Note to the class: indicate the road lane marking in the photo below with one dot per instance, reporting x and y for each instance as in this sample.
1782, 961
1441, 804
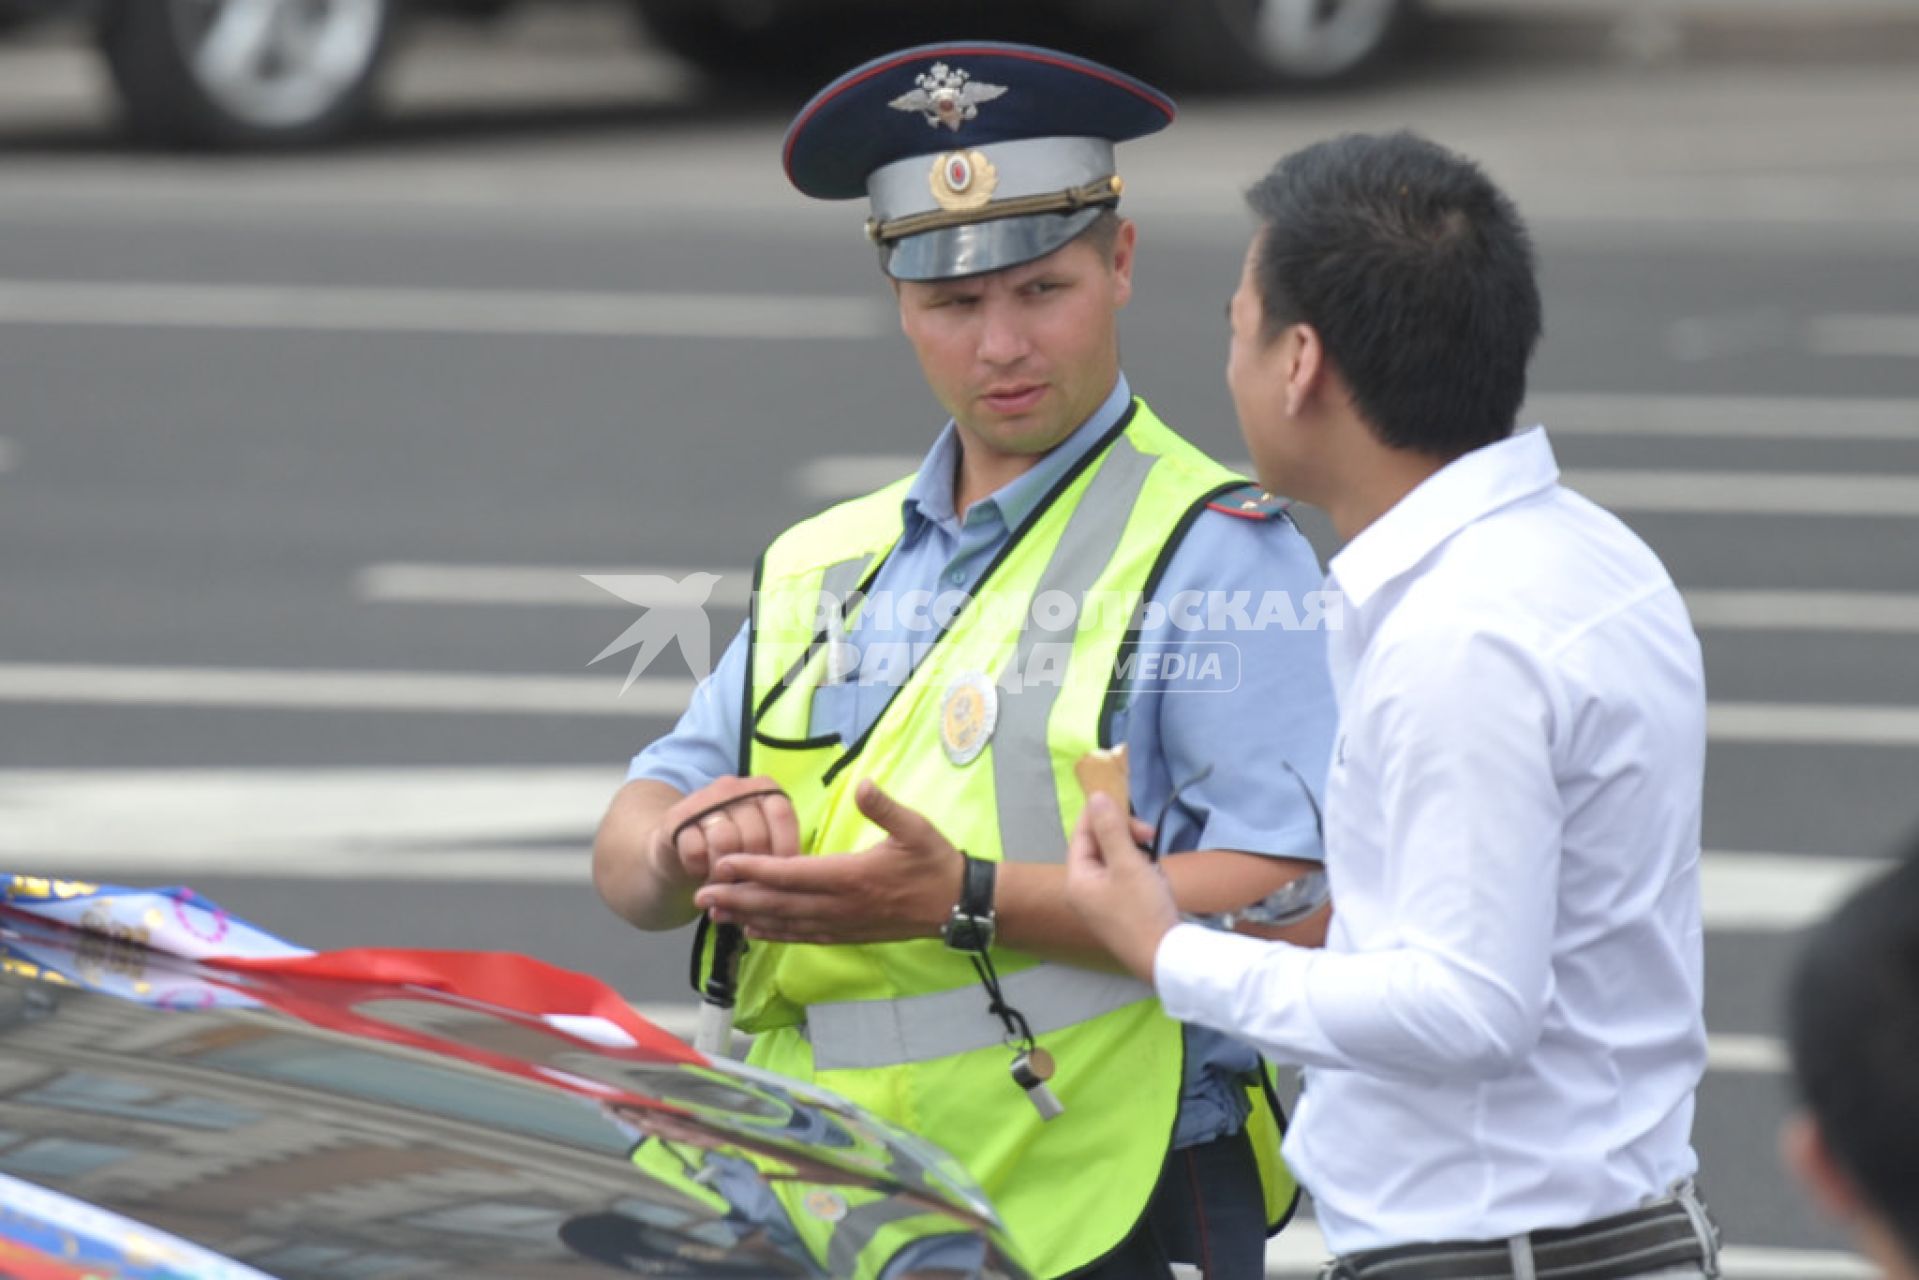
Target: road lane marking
1766, 493
1746, 1262
420, 583
518, 823
1747, 493
1845, 611
430, 824
1895, 336
1777, 892
480, 584
1812, 724
444, 311
255, 688
1747, 1055
836, 476
1808, 418
298, 690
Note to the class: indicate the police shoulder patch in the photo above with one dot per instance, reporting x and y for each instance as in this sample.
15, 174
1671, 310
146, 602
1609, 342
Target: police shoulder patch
1250, 502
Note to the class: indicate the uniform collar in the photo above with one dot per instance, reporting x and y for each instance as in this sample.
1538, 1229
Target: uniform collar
930, 498
1465, 490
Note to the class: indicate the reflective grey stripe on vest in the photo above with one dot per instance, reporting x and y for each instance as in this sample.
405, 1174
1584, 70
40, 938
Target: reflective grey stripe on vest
840, 579
863, 1034
838, 583
1031, 828
856, 1231
830, 612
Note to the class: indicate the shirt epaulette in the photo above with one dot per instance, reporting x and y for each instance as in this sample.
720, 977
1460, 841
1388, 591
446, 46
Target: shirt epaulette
1250, 502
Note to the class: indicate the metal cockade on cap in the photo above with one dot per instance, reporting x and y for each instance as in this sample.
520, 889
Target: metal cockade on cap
947, 96
963, 180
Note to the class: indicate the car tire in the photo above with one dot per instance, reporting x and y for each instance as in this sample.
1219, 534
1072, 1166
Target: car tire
1252, 44
245, 73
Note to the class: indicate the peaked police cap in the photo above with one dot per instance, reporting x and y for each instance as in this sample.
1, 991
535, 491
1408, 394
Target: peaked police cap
975, 155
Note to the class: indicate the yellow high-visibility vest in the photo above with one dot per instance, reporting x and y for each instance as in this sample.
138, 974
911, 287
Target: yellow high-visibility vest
903, 1028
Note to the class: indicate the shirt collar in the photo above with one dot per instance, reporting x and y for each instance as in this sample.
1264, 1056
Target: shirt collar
1464, 491
930, 497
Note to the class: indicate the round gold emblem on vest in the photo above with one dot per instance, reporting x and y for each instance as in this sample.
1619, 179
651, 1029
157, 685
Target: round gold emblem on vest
827, 1206
968, 716
962, 180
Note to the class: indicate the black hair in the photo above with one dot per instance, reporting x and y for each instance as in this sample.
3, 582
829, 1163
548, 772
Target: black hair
1418, 276
1853, 1030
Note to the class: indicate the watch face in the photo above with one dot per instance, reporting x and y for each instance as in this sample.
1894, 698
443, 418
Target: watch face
967, 933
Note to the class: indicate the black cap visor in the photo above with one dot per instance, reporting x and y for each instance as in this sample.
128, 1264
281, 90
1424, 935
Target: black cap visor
975, 248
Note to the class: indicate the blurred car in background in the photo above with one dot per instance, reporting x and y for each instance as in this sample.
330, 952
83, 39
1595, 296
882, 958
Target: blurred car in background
252, 73
184, 1096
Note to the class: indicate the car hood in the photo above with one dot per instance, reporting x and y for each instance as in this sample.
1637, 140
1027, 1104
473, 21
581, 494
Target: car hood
405, 1113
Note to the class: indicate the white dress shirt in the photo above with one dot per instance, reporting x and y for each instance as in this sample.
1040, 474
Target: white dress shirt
1504, 1031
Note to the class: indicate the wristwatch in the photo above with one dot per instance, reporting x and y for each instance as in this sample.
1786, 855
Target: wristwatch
970, 927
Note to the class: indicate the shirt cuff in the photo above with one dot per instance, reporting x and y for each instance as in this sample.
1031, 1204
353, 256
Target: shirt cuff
1248, 988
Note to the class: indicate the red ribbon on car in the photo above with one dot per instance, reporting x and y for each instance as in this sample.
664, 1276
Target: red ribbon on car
327, 988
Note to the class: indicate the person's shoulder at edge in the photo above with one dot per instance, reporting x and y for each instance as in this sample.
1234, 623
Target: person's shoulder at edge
1244, 538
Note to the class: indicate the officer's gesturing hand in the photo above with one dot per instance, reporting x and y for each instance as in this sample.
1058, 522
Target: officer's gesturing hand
656, 846
1121, 896
902, 887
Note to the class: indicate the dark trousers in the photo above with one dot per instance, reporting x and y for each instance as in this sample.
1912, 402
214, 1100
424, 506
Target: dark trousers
1207, 1209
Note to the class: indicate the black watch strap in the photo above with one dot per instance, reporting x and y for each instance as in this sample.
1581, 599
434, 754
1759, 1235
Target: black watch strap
970, 927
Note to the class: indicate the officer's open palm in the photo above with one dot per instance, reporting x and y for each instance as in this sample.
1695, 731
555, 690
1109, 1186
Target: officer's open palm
901, 887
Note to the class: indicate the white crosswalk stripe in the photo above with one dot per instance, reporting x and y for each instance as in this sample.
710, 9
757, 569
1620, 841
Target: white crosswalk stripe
474, 693
1632, 490
368, 691
1854, 611
330, 309
557, 585
416, 583
1725, 417
522, 825
1747, 493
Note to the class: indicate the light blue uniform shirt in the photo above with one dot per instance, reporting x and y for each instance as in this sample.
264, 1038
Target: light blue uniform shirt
1227, 576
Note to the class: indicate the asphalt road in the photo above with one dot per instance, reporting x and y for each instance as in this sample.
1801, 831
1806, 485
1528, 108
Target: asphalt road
301, 461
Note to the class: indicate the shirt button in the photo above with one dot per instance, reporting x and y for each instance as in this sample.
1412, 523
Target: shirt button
956, 577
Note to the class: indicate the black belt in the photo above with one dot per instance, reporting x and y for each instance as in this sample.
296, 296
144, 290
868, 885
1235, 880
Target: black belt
1655, 1238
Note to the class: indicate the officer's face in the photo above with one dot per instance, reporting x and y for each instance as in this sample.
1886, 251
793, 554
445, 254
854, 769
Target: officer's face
1023, 356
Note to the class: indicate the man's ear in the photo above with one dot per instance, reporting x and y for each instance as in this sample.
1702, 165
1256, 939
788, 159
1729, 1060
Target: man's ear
1305, 366
1803, 1150
1125, 244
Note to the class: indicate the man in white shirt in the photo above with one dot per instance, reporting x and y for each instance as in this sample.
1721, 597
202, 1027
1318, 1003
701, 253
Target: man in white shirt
1503, 1035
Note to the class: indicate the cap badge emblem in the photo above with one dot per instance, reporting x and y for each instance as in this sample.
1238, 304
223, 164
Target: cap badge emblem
947, 96
962, 180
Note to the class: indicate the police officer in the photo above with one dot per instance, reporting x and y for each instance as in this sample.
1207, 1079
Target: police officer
925, 665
